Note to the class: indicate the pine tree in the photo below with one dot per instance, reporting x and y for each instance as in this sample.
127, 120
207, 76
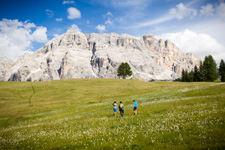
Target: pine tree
200, 72
183, 76
124, 70
206, 68
196, 76
191, 76
186, 76
222, 70
209, 69
222, 66
223, 76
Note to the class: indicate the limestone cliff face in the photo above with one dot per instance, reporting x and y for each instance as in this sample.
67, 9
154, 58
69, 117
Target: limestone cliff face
78, 55
5, 64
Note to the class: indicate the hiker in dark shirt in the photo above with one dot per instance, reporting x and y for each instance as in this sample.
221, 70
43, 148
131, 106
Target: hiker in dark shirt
121, 108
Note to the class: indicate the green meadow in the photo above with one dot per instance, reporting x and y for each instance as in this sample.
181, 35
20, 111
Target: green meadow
78, 114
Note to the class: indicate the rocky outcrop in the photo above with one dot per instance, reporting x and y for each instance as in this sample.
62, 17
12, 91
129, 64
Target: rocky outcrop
5, 64
78, 55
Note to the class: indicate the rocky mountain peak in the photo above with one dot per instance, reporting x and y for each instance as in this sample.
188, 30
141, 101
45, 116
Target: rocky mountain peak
77, 55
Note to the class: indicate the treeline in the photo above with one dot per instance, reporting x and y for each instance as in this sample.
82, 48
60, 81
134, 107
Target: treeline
207, 71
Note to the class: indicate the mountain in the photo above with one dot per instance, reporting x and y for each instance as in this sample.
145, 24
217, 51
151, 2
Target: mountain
78, 55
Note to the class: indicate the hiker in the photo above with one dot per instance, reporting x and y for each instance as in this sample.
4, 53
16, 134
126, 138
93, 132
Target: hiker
121, 108
135, 107
114, 108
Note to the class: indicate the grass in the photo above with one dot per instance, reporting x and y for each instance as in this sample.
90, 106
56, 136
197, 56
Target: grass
78, 114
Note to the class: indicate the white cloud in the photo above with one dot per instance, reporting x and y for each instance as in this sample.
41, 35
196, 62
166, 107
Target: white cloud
207, 10
159, 20
73, 13
88, 22
128, 3
59, 19
29, 25
212, 26
49, 13
109, 14
40, 35
17, 37
55, 35
182, 11
179, 12
68, 2
198, 44
221, 10
108, 22
100, 28
74, 27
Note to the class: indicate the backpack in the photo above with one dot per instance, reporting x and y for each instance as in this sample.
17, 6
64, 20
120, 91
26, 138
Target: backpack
121, 106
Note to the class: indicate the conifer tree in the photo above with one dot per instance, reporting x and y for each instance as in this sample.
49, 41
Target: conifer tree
222, 70
124, 70
183, 76
209, 69
200, 72
186, 76
196, 76
191, 76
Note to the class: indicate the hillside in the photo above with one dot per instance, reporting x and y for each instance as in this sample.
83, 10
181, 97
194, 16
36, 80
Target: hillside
78, 114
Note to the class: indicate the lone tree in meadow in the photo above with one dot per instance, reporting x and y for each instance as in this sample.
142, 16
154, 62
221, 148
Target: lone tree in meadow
222, 70
124, 70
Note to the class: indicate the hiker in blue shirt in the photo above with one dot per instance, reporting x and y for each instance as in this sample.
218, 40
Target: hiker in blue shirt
114, 108
135, 107
121, 108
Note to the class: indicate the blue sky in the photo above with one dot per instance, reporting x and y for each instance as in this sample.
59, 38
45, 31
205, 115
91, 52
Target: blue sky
196, 26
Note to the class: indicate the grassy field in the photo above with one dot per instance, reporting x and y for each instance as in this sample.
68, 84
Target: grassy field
78, 114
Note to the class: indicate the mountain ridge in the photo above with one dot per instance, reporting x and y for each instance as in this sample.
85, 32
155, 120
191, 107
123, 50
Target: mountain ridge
77, 55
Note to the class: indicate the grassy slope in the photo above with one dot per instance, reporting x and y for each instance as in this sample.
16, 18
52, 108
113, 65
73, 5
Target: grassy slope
77, 113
